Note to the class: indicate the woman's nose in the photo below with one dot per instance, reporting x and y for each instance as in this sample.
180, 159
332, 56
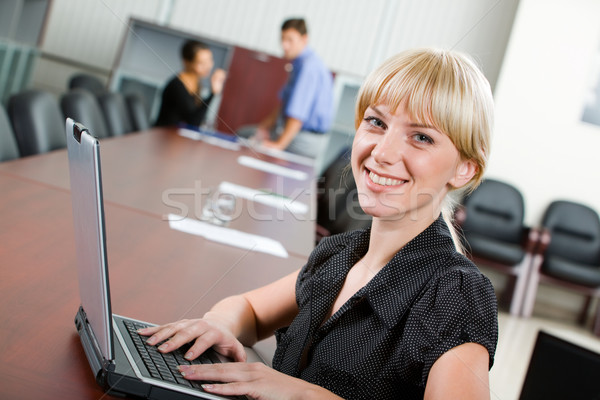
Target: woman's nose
388, 149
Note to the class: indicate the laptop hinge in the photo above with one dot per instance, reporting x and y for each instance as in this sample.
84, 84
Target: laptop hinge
100, 366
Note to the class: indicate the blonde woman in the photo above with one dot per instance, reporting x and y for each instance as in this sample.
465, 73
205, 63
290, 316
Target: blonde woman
390, 312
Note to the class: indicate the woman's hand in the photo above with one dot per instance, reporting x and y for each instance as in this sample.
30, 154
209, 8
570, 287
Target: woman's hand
205, 333
217, 80
255, 380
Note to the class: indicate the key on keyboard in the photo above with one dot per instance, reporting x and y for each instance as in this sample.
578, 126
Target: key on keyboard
164, 366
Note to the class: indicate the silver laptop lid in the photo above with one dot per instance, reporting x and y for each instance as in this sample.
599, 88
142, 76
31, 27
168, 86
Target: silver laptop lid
90, 237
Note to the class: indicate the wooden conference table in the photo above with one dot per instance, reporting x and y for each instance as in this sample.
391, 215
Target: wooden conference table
157, 274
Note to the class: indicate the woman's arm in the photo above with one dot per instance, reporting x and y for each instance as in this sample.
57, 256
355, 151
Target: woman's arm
460, 373
233, 322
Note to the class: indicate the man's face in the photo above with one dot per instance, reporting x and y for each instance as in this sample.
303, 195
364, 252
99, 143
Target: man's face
292, 43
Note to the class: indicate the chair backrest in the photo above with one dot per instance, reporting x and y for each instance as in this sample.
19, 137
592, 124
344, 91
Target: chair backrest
574, 232
137, 112
338, 208
37, 122
81, 106
115, 113
495, 210
87, 82
8, 144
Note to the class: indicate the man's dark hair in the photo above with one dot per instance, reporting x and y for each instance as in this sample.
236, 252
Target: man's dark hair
190, 48
295, 23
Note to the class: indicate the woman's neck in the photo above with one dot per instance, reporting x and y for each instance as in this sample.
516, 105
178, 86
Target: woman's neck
388, 237
190, 81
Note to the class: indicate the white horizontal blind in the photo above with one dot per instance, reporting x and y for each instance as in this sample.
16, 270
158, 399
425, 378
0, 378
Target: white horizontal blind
478, 27
352, 36
341, 31
91, 31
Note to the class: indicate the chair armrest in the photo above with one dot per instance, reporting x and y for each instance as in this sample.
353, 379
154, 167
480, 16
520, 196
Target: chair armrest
543, 241
531, 236
321, 232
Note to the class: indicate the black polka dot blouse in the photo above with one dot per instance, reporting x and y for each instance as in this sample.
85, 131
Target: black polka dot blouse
382, 343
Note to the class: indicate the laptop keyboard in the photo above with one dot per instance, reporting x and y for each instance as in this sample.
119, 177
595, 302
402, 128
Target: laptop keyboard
164, 366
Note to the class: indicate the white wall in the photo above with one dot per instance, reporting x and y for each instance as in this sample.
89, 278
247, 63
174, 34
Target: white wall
540, 145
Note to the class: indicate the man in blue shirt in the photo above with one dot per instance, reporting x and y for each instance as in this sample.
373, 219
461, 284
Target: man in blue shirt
300, 122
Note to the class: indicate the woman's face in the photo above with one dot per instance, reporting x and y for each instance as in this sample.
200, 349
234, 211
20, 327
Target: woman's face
404, 169
202, 64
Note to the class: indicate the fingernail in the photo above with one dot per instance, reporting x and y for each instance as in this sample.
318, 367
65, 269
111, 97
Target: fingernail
141, 330
188, 355
183, 367
163, 346
151, 341
207, 386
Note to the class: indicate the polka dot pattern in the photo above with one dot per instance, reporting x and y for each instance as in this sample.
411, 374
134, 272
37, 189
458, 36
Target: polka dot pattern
383, 341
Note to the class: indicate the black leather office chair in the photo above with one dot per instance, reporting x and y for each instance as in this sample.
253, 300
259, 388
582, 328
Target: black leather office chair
571, 255
37, 122
137, 112
494, 234
115, 113
338, 209
8, 144
81, 106
87, 82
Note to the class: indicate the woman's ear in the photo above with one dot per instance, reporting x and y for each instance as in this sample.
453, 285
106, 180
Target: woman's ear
465, 171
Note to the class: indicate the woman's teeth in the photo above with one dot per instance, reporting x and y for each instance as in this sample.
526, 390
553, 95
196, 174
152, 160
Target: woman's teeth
384, 181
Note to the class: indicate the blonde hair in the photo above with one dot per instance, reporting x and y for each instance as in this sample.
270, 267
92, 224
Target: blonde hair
441, 88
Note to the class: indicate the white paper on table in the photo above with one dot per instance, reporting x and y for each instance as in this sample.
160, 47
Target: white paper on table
190, 134
228, 236
213, 140
268, 198
281, 154
272, 168
286, 155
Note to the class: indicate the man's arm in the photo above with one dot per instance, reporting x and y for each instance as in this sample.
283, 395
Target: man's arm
290, 130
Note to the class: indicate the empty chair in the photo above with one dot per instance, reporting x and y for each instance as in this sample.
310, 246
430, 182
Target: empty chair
491, 219
115, 113
338, 209
81, 106
37, 122
87, 82
571, 255
8, 144
137, 112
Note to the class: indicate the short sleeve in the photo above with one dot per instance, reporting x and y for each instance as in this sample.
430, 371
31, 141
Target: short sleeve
462, 309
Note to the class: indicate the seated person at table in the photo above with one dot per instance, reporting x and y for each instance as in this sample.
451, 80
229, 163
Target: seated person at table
300, 122
394, 311
181, 100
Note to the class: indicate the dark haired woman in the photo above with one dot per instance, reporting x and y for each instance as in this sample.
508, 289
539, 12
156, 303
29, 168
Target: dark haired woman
181, 99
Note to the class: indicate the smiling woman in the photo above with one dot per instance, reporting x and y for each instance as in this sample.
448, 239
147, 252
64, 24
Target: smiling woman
393, 311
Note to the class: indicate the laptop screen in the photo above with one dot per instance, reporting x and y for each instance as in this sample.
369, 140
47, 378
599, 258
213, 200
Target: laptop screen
561, 370
90, 237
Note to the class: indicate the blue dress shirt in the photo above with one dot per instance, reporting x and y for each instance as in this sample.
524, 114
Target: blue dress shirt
308, 94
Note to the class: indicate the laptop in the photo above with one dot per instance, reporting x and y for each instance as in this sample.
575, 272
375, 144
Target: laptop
122, 363
559, 370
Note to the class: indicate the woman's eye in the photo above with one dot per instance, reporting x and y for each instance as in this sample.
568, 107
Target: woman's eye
376, 122
423, 138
